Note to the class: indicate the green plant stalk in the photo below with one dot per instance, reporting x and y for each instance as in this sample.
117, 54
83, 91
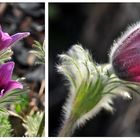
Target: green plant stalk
68, 127
41, 127
79, 107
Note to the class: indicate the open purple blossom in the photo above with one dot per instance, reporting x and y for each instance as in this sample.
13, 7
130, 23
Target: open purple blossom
125, 55
7, 41
6, 83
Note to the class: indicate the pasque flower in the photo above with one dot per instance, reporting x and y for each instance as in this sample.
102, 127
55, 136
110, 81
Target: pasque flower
6, 83
125, 55
91, 88
7, 41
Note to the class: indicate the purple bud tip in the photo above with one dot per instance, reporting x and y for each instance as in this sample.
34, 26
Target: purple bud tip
125, 55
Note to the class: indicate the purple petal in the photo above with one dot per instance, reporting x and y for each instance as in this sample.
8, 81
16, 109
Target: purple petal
13, 85
6, 71
5, 44
5, 40
18, 36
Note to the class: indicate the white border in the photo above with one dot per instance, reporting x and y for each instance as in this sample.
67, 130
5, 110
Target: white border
46, 70
75, 1
23, 1
46, 67
93, 1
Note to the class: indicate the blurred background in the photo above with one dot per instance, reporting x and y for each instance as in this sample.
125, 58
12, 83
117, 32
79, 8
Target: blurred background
95, 26
30, 17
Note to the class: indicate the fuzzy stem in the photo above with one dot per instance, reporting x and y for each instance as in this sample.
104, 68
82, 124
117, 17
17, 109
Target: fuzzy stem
68, 127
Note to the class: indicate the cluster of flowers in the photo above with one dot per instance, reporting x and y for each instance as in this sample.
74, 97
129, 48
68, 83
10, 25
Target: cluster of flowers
6, 69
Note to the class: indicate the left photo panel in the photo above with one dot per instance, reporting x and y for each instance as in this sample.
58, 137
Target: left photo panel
22, 69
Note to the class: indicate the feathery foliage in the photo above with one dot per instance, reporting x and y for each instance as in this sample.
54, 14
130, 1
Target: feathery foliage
39, 52
5, 55
32, 123
5, 127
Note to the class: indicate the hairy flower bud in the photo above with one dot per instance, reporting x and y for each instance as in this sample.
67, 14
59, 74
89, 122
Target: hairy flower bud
125, 55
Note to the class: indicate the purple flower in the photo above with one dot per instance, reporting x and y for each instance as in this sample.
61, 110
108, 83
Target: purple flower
6, 84
7, 41
125, 55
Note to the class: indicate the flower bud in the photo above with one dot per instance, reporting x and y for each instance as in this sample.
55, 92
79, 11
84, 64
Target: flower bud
125, 55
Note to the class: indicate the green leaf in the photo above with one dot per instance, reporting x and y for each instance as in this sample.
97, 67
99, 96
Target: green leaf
39, 52
5, 55
5, 126
14, 96
32, 124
